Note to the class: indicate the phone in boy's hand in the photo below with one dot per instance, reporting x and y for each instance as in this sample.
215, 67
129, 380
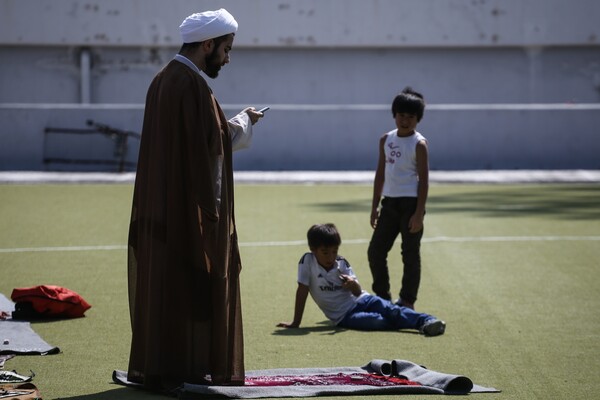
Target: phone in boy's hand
262, 110
343, 277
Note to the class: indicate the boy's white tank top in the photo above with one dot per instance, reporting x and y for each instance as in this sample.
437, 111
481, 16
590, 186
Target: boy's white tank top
401, 179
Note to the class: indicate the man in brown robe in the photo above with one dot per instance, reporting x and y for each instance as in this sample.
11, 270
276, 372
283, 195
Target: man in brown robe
183, 259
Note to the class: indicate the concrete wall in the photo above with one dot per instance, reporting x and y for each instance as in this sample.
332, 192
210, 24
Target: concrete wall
509, 84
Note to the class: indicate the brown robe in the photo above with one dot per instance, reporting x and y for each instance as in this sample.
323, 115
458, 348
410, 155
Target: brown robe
183, 259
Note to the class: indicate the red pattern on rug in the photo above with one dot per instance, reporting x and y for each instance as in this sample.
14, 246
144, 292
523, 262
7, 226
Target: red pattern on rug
328, 380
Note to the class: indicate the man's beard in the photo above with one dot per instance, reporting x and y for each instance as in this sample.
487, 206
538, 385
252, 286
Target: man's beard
212, 65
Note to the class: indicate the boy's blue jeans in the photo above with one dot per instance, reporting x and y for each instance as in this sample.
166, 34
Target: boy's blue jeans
372, 313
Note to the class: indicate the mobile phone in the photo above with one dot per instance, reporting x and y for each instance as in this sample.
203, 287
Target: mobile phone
262, 110
342, 276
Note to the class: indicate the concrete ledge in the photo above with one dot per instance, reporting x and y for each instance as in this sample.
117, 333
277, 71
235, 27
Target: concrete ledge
320, 177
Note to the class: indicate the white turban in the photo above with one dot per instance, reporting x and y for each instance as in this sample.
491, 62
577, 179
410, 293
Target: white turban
206, 25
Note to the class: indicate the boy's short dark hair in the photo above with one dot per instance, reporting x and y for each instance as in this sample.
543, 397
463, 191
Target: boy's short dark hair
409, 101
320, 235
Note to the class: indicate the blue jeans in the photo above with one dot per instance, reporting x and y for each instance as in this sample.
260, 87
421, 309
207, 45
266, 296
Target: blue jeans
372, 313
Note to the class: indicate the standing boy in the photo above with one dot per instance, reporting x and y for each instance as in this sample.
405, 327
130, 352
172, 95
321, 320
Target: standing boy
333, 286
402, 178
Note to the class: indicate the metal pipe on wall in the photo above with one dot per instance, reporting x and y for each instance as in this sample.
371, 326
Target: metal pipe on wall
85, 65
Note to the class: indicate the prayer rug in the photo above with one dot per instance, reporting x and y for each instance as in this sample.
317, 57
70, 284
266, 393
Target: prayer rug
4, 358
377, 377
17, 337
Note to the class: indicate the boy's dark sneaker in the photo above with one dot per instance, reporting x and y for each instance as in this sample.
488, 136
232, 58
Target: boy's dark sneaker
433, 327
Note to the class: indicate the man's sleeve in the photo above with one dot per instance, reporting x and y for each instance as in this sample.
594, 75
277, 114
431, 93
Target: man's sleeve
241, 131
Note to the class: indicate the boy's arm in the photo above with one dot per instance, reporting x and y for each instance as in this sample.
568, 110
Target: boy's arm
301, 295
378, 183
415, 224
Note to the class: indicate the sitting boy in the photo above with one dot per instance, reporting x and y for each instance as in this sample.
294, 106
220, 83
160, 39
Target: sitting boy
333, 286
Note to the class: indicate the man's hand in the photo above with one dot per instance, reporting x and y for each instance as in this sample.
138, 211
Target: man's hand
253, 114
287, 325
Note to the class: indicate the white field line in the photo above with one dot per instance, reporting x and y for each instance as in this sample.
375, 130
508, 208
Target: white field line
463, 239
62, 248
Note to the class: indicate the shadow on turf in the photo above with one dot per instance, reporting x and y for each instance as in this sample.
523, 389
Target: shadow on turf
554, 201
325, 328
344, 206
120, 393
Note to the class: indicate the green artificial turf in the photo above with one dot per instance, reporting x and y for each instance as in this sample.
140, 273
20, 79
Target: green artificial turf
512, 269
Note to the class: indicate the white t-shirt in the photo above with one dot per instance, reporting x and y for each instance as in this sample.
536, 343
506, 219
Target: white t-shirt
401, 179
325, 287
